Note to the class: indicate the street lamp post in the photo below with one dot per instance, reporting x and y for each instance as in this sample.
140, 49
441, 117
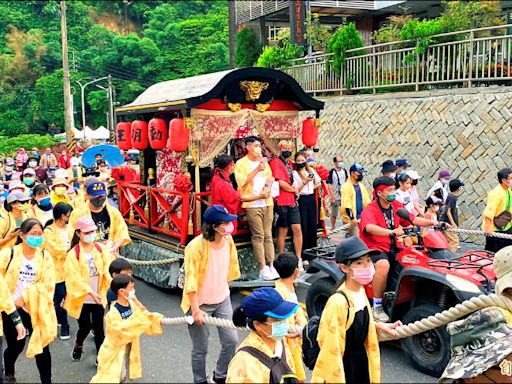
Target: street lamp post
82, 93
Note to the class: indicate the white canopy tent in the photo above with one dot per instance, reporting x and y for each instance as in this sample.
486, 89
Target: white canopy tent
100, 133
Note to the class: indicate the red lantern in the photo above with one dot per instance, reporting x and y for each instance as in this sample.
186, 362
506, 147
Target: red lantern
158, 133
309, 132
179, 135
124, 135
140, 135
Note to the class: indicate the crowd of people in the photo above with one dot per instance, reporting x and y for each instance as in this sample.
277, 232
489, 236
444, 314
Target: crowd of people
61, 235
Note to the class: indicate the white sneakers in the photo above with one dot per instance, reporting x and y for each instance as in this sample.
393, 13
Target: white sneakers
301, 266
268, 273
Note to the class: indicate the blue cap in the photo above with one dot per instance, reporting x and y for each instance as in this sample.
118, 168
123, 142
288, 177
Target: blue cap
267, 301
217, 213
356, 167
97, 189
402, 163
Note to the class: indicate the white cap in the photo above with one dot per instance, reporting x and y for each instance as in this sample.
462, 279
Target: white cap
61, 173
413, 175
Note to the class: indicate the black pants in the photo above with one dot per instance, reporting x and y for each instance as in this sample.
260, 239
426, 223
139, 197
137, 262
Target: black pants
308, 220
91, 317
494, 244
15, 347
60, 294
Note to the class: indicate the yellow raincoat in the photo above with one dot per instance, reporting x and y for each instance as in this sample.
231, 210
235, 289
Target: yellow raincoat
76, 274
119, 333
295, 345
6, 301
245, 368
38, 296
197, 254
118, 227
54, 244
8, 225
331, 339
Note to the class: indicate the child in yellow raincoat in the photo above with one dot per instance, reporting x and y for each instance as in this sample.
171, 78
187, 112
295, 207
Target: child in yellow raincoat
287, 266
127, 320
30, 277
87, 281
56, 242
266, 313
356, 332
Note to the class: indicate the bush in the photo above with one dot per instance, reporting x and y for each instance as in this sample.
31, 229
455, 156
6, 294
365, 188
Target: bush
278, 56
345, 38
248, 49
9, 145
462, 15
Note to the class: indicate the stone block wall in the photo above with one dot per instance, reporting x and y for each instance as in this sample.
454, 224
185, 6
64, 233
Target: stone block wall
468, 131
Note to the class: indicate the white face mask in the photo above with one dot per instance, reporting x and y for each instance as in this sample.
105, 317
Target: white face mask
131, 295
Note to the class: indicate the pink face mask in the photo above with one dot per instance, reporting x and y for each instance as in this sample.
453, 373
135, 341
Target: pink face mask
364, 276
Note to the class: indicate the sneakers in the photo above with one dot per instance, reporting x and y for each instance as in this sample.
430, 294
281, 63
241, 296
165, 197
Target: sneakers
379, 315
301, 266
274, 272
78, 350
64, 332
218, 380
266, 273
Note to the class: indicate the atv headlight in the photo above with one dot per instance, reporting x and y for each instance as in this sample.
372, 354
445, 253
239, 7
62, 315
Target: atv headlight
462, 284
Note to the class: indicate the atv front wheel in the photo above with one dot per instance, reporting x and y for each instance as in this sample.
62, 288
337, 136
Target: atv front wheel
318, 294
429, 351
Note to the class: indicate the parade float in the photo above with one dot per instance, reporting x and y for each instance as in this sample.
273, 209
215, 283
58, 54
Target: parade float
179, 126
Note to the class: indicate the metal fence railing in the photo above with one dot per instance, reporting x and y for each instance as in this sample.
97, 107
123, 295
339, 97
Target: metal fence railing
466, 57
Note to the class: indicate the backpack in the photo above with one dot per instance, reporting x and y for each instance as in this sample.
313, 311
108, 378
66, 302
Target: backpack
77, 250
280, 371
310, 347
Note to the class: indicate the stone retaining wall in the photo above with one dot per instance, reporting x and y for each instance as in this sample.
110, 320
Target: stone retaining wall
468, 131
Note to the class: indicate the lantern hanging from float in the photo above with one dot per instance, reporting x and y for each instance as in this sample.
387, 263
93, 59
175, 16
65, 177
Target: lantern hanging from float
178, 135
309, 132
158, 133
124, 135
140, 135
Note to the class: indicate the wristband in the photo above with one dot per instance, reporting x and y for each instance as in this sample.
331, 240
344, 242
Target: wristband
15, 317
391, 233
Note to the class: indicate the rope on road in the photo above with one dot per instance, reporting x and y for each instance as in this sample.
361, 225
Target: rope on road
407, 330
344, 227
152, 262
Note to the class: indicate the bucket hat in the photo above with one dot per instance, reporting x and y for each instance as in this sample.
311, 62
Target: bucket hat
478, 342
351, 249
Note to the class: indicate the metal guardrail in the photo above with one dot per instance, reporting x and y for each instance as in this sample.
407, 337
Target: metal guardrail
466, 57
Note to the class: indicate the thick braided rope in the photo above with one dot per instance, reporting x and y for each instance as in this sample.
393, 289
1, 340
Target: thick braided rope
423, 325
477, 232
152, 262
344, 227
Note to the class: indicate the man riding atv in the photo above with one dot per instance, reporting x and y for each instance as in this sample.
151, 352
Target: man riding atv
380, 226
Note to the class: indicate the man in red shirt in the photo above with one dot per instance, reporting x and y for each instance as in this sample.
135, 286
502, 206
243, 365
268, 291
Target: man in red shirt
64, 160
379, 227
286, 210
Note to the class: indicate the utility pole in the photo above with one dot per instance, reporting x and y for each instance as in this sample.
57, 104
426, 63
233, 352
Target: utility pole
111, 107
68, 102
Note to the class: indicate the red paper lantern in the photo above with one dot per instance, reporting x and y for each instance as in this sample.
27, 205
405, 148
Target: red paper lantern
158, 133
124, 135
140, 135
179, 135
309, 132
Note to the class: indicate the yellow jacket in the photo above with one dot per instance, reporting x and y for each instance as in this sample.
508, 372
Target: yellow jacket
197, 254
38, 296
67, 198
119, 333
8, 225
6, 301
53, 243
331, 339
348, 199
118, 227
295, 345
37, 213
76, 274
496, 204
242, 171
80, 178
245, 368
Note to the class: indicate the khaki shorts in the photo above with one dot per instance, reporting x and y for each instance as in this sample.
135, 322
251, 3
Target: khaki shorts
335, 208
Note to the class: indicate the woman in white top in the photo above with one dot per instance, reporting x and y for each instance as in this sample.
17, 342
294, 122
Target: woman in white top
307, 181
419, 209
403, 194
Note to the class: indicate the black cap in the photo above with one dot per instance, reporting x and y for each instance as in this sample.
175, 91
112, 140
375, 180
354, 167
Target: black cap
455, 184
384, 180
351, 249
388, 166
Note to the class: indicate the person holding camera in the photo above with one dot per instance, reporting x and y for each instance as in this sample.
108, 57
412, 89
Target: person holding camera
306, 180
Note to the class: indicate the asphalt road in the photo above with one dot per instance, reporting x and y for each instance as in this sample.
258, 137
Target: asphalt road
166, 358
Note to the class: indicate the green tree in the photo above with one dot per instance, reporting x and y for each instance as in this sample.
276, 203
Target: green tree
280, 54
345, 38
247, 48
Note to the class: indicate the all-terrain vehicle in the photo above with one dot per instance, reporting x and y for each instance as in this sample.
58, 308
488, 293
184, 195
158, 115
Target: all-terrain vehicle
427, 278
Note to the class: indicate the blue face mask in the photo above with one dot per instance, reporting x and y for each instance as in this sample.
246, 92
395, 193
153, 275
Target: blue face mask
34, 241
340, 164
279, 330
45, 202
